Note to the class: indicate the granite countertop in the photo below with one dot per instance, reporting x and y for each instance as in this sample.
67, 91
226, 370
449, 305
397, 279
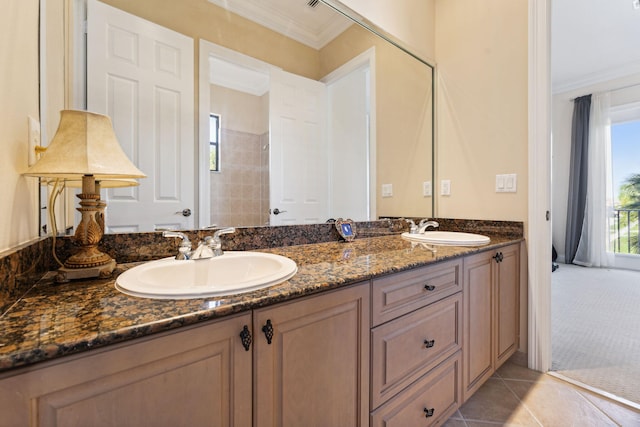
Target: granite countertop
53, 320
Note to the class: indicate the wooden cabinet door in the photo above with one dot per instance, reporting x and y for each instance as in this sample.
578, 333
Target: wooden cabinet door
491, 304
199, 375
315, 370
477, 321
507, 303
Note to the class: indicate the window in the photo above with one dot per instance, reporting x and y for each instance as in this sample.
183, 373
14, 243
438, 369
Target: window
625, 151
214, 142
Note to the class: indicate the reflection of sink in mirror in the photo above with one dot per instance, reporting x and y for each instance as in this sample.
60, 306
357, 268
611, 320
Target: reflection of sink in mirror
231, 273
448, 238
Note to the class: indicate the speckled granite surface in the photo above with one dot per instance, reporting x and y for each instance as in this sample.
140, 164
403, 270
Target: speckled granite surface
22, 266
52, 320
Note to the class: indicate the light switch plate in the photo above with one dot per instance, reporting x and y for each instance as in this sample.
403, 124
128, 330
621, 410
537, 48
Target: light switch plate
445, 187
387, 190
510, 183
426, 189
506, 183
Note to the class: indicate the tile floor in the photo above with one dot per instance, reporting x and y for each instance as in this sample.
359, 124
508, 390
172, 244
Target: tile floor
517, 396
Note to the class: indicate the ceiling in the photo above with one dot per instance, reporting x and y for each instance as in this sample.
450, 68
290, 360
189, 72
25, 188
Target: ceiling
593, 41
313, 26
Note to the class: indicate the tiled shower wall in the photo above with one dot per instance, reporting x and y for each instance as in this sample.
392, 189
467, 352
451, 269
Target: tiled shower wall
240, 191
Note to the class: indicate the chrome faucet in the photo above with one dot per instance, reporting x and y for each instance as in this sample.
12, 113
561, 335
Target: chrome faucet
424, 224
215, 242
184, 250
208, 248
413, 228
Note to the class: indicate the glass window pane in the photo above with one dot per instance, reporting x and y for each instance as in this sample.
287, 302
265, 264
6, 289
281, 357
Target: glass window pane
214, 144
213, 158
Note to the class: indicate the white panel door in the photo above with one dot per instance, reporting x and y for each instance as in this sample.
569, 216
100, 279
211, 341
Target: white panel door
348, 132
299, 184
141, 75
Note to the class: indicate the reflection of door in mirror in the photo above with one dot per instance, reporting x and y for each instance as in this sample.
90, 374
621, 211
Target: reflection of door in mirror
299, 169
141, 75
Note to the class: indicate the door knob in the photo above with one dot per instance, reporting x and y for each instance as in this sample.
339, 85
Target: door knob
277, 211
185, 212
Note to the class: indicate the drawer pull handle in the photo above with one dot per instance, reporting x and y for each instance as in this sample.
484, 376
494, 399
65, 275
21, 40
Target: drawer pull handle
429, 288
245, 336
428, 412
429, 344
268, 331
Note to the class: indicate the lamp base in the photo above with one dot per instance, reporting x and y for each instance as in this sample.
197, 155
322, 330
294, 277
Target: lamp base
66, 274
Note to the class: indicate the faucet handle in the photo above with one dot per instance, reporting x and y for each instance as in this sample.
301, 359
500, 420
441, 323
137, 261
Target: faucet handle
215, 242
425, 223
412, 226
222, 231
171, 233
184, 250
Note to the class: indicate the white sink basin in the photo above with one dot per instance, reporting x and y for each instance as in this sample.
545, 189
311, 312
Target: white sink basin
230, 273
448, 238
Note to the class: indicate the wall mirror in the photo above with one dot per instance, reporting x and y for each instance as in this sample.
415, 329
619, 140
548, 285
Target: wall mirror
296, 111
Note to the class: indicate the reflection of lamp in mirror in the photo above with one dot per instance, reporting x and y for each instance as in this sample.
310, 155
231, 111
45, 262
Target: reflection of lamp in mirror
85, 148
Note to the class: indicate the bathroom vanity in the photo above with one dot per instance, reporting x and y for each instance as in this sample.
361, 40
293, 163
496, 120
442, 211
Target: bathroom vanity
379, 331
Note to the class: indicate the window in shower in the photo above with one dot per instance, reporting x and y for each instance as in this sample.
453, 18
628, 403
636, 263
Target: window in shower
214, 142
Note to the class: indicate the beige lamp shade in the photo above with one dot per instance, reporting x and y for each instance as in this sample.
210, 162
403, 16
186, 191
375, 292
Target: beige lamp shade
84, 144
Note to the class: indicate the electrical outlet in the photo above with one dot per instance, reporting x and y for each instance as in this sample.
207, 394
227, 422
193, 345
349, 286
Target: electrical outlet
387, 190
445, 187
426, 189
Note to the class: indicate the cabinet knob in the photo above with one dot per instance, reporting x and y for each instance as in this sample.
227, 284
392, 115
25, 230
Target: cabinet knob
429, 287
429, 344
245, 336
429, 412
268, 331
498, 257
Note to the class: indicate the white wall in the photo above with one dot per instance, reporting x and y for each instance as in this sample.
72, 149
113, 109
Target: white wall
562, 114
482, 107
18, 99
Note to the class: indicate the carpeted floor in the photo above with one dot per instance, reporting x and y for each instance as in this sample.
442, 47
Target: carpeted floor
596, 328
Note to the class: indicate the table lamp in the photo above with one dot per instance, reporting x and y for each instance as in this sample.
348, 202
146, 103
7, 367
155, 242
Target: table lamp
85, 148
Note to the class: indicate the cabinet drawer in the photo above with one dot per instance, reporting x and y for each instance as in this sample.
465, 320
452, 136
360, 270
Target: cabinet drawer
406, 348
398, 294
430, 401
